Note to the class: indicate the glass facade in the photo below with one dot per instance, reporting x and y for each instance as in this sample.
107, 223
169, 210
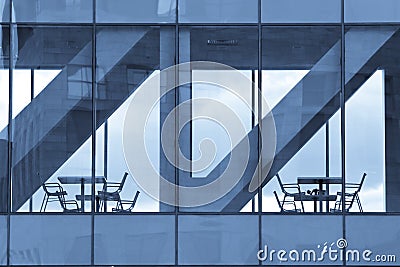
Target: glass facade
76, 75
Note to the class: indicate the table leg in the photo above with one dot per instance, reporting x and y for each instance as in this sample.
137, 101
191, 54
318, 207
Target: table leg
327, 202
105, 201
320, 200
97, 204
83, 195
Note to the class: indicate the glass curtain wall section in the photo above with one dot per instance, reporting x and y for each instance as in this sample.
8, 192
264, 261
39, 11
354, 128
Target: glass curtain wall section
127, 57
52, 115
4, 118
372, 115
218, 11
36, 240
236, 47
301, 83
53, 11
294, 52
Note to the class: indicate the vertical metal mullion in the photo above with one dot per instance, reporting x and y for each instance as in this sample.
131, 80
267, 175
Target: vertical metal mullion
9, 133
327, 159
32, 96
253, 100
94, 98
259, 111
176, 206
343, 117
105, 151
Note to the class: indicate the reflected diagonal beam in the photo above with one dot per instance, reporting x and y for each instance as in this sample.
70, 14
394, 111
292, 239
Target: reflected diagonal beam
304, 110
46, 134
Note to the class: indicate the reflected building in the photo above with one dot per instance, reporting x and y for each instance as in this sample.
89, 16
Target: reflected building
326, 71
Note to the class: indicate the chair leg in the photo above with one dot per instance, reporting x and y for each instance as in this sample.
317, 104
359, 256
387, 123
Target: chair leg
302, 205
101, 202
97, 204
44, 203
41, 206
283, 203
338, 204
359, 203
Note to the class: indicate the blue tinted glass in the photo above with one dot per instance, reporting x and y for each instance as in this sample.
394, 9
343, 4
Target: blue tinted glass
134, 240
4, 99
372, 116
4, 10
242, 11
64, 99
50, 240
53, 11
236, 47
135, 11
301, 11
372, 11
3, 240
123, 48
300, 233
379, 234
227, 239
301, 72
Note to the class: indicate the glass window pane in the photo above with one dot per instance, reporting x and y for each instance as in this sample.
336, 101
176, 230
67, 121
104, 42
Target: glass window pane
52, 122
372, 11
301, 83
378, 234
50, 240
290, 11
4, 10
125, 11
4, 99
372, 114
124, 67
53, 11
218, 240
3, 240
236, 47
134, 240
302, 238
218, 11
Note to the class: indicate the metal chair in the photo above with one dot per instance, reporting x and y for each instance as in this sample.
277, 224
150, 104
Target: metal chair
131, 203
287, 194
106, 195
54, 192
65, 203
281, 205
350, 196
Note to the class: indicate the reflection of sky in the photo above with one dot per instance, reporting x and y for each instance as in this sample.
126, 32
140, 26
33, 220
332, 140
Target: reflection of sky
364, 122
203, 128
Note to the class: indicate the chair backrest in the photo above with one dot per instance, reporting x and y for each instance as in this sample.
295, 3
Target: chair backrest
121, 185
361, 183
46, 187
281, 184
349, 203
134, 200
279, 202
